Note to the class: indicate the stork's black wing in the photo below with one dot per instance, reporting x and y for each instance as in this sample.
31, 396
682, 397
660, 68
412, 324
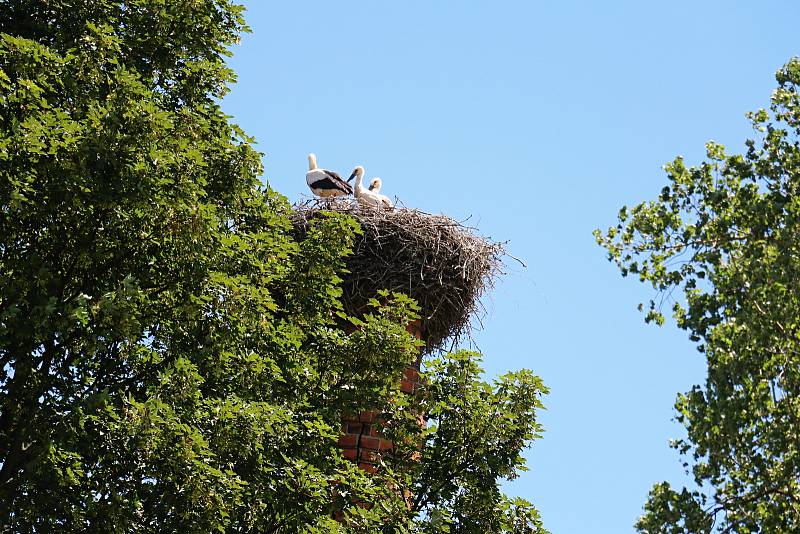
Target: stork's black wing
334, 181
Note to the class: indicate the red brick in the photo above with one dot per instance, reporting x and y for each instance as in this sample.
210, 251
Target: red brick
348, 441
415, 328
411, 374
369, 468
350, 454
354, 428
369, 416
369, 442
406, 386
386, 445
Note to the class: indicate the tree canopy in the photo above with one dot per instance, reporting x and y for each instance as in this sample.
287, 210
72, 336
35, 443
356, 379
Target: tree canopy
725, 237
171, 357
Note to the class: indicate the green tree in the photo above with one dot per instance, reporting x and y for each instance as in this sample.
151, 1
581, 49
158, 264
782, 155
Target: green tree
171, 357
726, 235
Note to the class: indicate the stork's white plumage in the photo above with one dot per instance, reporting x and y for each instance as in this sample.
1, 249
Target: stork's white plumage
375, 186
369, 197
325, 183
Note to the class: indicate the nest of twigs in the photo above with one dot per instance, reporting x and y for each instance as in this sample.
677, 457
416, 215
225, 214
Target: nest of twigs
439, 262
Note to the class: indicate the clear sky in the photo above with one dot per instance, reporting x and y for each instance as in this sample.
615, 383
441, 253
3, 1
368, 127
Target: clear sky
539, 121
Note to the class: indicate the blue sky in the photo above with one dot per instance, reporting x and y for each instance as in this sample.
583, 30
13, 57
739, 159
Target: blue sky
538, 121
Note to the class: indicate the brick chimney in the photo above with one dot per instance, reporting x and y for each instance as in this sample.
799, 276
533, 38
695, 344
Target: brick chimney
361, 442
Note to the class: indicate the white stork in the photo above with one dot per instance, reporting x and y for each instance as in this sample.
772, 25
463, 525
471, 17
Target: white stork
325, 183
375, 186
368, 197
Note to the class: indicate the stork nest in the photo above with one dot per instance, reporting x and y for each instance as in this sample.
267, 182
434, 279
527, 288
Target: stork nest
439, 262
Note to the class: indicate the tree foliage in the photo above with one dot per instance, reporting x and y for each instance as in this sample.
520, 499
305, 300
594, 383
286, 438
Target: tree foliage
726, 234
171, 358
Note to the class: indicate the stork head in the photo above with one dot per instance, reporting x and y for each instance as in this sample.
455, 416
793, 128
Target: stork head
357, 172
312, 162
375, 185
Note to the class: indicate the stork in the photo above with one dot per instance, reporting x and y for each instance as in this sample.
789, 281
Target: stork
325, 183
375, 186
368, 197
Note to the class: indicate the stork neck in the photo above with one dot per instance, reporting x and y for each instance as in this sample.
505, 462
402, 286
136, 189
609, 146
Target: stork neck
312, 162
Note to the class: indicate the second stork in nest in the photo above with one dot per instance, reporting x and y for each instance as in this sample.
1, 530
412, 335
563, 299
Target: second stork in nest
372, 196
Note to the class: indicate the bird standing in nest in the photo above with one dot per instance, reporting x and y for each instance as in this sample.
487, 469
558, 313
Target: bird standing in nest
325, 183
371, 196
